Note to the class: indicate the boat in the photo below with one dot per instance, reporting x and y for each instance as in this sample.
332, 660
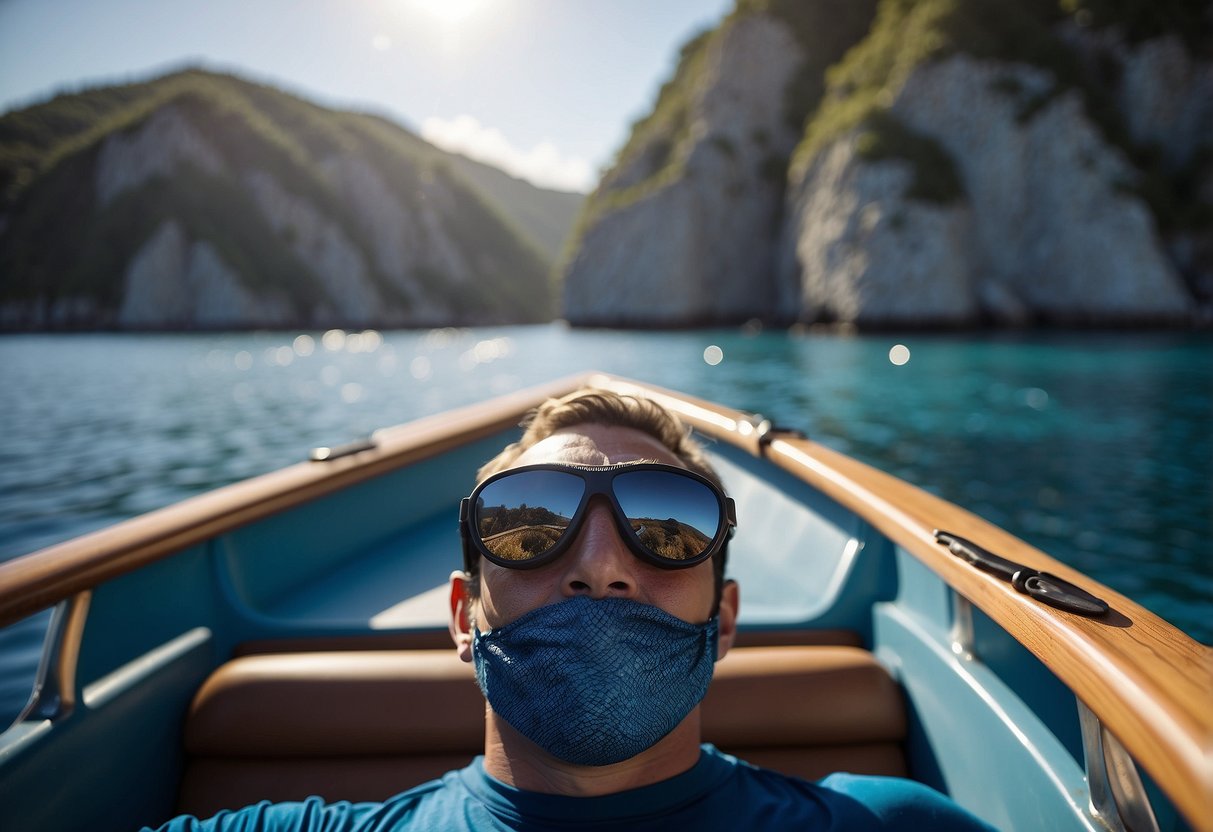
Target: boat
286, 636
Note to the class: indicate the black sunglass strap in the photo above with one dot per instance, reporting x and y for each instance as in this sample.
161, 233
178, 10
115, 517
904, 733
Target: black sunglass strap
469, 555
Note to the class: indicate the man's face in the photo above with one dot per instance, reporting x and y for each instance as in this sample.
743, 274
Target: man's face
598, 564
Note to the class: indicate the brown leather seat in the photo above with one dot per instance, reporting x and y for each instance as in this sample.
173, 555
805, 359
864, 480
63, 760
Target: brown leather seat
346, 725
807, 711
365, 725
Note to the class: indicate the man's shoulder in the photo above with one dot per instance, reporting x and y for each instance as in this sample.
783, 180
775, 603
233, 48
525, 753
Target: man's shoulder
850, 801
419, 808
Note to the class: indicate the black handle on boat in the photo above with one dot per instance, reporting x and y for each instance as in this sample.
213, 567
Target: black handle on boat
772, 432
1043, 586
348, 449
768, 432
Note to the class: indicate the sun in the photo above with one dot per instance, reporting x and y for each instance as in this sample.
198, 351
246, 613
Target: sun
450, 28
449, 13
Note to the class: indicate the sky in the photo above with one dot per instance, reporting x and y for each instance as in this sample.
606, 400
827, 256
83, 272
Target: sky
546, 89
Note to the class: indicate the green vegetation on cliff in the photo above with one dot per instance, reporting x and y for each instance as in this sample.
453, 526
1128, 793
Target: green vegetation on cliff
32, 138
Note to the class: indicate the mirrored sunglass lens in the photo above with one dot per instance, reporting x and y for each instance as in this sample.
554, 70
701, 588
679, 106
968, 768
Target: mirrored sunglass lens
672, 516
521, 516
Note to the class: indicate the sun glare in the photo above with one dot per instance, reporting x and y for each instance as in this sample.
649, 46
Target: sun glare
450, 13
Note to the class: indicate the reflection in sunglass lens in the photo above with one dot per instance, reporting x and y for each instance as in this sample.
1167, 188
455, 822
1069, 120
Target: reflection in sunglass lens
673, 516
521, 516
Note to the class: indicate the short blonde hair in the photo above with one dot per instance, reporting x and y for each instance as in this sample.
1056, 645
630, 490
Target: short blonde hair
591, 405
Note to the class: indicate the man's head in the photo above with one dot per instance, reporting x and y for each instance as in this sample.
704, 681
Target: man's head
594, 410
622, 636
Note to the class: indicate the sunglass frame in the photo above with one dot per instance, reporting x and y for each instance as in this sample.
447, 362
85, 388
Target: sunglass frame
598, 480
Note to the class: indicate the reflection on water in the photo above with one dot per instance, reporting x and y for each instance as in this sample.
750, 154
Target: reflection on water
1096, 448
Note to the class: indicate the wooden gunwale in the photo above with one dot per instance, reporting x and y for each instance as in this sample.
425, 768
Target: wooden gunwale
1149, 684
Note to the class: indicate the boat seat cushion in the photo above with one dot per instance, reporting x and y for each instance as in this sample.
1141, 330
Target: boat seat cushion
364, 725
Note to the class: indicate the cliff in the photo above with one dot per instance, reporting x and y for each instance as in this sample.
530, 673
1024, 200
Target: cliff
681, 230
204, 201
964, 163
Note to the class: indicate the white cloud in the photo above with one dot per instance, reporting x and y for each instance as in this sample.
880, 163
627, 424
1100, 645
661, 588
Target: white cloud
541, 165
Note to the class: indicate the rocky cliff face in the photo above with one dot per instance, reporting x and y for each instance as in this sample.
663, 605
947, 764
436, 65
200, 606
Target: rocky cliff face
173, 282
692, 242
1166, 95
318, 240
1046, 228
969, 163
217, 204
852, 233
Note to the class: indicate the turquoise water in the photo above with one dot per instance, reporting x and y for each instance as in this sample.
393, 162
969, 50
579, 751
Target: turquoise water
1096, 448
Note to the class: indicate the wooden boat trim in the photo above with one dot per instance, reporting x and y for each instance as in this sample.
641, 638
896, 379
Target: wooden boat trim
1147, 682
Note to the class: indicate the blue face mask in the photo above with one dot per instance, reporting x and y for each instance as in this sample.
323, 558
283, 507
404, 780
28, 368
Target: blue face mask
595, 682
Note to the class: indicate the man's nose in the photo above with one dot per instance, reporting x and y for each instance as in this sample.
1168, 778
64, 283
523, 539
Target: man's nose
599, 562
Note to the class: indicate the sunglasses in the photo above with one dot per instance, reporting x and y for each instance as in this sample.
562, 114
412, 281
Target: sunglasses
525, 517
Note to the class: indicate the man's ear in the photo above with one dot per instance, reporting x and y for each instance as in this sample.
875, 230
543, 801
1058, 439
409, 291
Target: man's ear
460, 621
730, 600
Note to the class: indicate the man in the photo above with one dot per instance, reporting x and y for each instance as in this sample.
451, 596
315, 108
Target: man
593, 605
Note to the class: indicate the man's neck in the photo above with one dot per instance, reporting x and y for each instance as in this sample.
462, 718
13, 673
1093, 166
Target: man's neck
515, 760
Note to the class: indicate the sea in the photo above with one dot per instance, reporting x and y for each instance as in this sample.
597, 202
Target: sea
1095, 447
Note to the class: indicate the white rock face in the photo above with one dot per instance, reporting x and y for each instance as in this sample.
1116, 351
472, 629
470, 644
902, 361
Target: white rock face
699, 248
1052, 218
174, 283
320, 243
376, 211
157, 148
860, 252
393, 231
406, 238
155, 291
1050, 226
220, 299
641, 265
